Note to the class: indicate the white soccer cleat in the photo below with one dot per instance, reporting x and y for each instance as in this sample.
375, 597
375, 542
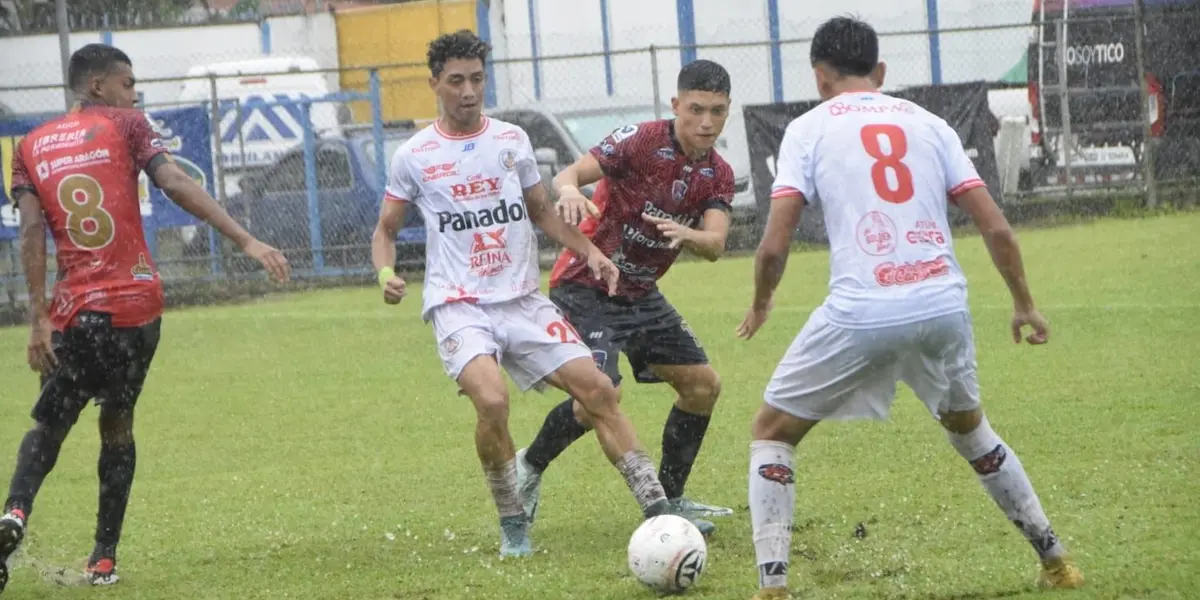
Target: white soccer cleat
529, 486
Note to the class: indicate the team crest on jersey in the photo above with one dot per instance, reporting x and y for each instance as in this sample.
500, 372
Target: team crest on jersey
624, 133
607, 148
679, 190
508, 159
666, 153
451, 344
142, 271
601, 358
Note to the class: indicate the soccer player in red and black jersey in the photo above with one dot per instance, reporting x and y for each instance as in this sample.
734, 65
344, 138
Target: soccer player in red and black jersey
77, 176
662, 189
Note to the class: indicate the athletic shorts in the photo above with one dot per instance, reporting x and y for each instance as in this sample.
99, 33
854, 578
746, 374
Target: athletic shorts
95, 361
528, 336
831, 372
648, 330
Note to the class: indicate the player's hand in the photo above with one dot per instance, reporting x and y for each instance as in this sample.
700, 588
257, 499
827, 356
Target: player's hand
603, 268
41, 350
572, 206
272, 260
678, 234
394, 290
755, 317
1034, 319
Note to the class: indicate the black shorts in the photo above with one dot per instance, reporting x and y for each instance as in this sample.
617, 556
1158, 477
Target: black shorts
648, 330
95, 361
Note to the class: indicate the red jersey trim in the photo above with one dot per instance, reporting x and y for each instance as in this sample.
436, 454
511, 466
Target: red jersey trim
786, 192
965, 186
393, 198
486, 123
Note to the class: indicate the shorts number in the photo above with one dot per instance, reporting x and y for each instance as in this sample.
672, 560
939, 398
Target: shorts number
563, 331
898, 144
89, 226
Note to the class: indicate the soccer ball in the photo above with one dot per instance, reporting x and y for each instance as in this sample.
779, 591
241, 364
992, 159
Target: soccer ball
667, 553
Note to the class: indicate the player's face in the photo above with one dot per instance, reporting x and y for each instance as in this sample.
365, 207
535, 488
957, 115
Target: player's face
460, 88
700, 118
116, 87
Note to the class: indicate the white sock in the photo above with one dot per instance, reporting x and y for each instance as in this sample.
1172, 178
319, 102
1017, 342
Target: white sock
772, 502
642, 479
1003, 477
503, 483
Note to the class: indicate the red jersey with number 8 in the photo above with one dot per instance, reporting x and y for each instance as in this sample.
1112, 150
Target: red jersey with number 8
84, 168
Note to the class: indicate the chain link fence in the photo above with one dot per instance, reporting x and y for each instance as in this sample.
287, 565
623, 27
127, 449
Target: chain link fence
304, 170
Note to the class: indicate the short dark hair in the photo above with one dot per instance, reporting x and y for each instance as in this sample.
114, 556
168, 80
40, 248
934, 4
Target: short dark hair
848, 45
92, 59
704, 76
462, 44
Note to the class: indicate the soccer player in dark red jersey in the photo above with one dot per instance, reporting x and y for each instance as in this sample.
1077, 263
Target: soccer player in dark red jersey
77, 176
662, 188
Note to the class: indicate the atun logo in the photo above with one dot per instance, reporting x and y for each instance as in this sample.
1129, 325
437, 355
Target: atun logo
498, 215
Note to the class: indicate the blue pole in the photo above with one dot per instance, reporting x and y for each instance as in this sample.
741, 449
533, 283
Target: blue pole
685, 12
264, 30
377, 128
776, 51
935, 43
106, 35
533, 50
484, 24
310, 186
608, 73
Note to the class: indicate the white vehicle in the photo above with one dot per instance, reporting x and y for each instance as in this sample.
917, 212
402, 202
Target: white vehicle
668, 554
254, 132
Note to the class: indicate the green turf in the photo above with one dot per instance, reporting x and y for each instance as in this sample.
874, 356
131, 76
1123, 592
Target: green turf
311, 447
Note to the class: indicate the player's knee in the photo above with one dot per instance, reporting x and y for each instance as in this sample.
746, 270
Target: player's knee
598, 398
699, 394
492, 407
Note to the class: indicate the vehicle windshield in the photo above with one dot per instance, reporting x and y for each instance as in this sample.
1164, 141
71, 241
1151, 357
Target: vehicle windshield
589, 128
391, 141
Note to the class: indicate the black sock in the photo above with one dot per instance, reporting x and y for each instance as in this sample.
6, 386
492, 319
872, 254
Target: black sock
560, 430
682, 436
36, 458
116, 466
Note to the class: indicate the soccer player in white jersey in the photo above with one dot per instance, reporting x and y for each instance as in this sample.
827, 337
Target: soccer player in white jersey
476, 183
883, 169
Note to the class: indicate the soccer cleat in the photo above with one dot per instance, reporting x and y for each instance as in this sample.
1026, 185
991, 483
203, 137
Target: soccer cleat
774, 593
665, 507
12, 531
1060, 573
514, 537
529, 486
102, 566
693, 510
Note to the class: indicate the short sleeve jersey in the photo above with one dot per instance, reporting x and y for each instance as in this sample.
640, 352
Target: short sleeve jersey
645, 172
84, 168
883, 170
480, 244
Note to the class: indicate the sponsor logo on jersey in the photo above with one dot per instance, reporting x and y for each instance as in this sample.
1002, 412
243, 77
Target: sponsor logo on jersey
142, 271
485, 217
876, 234
654, 211
707, 172
636, 235
477, 187
429, 146
489, 253
890, 273
838, 109
510, 135
926, 232
624, 133
440, 171
665, 153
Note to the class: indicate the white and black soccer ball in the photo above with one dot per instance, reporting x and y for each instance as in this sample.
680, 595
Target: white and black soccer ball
668, 554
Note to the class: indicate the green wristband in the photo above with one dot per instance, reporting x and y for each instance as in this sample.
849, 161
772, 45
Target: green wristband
385, 275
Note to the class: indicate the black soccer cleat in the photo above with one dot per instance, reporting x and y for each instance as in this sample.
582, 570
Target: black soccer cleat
12, 531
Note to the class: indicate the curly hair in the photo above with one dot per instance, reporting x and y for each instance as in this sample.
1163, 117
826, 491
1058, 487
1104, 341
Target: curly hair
462, 44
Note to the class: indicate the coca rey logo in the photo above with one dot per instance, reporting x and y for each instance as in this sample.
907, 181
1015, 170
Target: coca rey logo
477, 187
838, 109
889, 273
436, 172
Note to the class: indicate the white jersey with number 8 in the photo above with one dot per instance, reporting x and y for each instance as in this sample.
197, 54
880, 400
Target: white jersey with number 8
883, 170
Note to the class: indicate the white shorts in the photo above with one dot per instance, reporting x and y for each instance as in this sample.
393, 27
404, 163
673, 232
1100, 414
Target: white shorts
831, 372
528, 336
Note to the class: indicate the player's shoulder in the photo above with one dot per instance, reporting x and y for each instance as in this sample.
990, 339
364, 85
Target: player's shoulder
424, 142
720, 167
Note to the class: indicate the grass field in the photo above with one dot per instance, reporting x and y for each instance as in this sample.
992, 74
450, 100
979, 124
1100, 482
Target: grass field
310, 447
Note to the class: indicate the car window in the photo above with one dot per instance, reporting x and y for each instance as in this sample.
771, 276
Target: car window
286, 176
333, 168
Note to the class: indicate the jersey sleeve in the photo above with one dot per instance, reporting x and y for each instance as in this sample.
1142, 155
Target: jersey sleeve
722, 198
960, 171
145, 145
794, 167
21, 180
527, 167
616, 152
400, 184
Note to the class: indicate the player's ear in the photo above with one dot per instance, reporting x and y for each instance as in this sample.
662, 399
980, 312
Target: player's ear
675, 105
433, 83
878, 74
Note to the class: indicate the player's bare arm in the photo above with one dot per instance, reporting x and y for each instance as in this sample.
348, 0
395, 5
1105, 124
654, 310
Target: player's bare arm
707, 242
184, 191
383, 249
572, 204
771, 259
33, 258
1002, 244
537, 203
